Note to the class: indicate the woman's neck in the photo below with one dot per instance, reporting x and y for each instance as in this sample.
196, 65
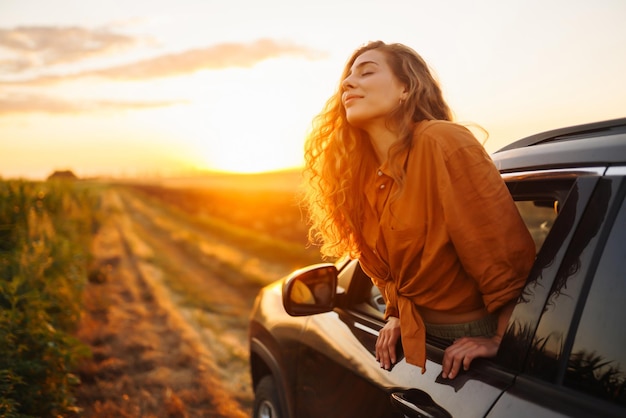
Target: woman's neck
382, 140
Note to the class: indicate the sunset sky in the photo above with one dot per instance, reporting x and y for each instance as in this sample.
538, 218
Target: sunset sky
155, 87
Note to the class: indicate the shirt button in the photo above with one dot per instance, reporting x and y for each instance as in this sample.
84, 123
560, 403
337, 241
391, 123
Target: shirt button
380, 173
382, 186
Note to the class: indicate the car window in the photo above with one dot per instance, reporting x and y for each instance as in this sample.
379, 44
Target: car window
539, 203
540, 317
597, 363
539, 217
550, 342
365, 297
376, 299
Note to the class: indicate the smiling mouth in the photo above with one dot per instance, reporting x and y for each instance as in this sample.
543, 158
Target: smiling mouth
350, 98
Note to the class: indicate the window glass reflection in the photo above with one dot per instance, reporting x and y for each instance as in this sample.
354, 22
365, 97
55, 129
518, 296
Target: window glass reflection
549, 341
597, 364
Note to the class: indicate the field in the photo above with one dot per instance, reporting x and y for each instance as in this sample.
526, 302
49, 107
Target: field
171, 278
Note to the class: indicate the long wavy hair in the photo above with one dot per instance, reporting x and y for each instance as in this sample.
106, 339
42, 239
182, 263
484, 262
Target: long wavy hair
338, 156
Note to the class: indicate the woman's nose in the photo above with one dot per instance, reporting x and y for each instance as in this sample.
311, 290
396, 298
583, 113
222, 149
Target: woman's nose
347, 83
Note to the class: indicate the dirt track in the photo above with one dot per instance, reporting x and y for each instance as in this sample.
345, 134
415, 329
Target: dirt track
166, 317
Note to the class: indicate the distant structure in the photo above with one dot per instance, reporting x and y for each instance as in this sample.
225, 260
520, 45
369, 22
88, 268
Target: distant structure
63, 175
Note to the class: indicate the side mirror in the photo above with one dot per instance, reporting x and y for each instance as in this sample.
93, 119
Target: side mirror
311, 290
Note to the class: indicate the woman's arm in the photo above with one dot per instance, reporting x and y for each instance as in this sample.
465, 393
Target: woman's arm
466, 349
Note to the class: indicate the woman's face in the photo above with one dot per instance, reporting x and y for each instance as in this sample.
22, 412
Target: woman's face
371, 91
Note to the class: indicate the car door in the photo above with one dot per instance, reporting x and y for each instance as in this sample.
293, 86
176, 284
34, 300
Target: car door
338, 375
335, 377
575, 364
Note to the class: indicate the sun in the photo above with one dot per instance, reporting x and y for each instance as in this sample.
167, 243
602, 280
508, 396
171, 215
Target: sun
252, 122
248, 154
246, 120
224, 141
226, 136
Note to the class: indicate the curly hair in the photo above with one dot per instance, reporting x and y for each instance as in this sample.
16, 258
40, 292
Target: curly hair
338, 156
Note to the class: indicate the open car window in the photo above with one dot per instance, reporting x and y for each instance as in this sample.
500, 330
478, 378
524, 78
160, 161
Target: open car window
539, 217
363, 296
539, 203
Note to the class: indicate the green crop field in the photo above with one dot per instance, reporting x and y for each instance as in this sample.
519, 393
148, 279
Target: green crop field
45, 230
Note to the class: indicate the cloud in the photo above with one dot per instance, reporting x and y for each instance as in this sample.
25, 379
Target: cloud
36, 49
215, 57
219, 56
42, 46
29, 103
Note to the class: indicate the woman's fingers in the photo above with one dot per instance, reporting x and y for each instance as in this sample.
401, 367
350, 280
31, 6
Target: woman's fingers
385, 350
386, 343
463, 351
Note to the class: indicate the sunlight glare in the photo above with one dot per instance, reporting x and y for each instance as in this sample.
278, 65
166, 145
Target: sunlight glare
252, 120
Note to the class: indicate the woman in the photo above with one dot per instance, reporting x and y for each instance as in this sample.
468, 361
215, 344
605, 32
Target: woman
392, 181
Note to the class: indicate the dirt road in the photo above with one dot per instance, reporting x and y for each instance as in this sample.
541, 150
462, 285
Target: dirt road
166, 316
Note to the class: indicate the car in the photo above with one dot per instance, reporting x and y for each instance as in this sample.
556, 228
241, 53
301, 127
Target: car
312, 334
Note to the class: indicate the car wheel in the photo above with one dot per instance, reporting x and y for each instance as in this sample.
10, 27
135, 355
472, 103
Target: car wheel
266, 399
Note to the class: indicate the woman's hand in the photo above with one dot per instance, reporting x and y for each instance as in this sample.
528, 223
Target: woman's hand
386, 343
464, 350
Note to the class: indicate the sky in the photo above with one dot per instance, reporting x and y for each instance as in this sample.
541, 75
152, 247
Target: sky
167, 88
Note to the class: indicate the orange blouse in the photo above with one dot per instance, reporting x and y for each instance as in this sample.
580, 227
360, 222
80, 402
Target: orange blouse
451, 241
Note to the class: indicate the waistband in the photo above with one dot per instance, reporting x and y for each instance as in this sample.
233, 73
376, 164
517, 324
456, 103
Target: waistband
484, 327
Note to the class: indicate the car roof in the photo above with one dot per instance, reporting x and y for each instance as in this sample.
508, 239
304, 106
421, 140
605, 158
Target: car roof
589, 145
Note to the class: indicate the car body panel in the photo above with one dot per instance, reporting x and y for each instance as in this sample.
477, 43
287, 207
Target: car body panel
602, 151
533, 398
333, 342
328, 345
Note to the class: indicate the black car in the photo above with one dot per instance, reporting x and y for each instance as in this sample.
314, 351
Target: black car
312, 334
